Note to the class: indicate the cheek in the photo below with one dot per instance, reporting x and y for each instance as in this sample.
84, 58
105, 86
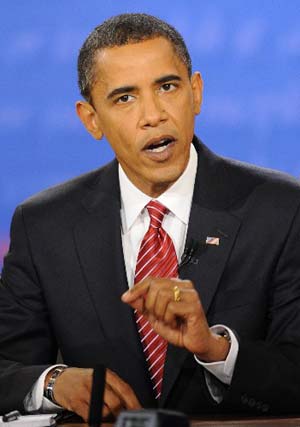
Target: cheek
118, 135
125, 128
189, 117
182, 109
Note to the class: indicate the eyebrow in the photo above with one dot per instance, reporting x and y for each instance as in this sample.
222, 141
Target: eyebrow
129, 89
168, 78
120, 90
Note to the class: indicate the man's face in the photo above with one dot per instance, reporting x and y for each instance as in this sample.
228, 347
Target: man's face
145, 104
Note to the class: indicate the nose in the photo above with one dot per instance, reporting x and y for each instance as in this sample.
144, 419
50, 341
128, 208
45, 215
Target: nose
152, 111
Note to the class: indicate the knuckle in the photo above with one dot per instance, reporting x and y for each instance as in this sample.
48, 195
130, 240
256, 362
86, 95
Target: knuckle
172, 307
188, 284
154, 288
164, 293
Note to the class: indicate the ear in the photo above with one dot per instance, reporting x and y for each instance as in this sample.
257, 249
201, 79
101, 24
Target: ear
197, 88
89, 118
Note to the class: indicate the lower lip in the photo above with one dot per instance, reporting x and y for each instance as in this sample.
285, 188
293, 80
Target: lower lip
163, 155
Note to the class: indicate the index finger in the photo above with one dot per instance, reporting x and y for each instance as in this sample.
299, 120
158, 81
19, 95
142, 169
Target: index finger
122, 390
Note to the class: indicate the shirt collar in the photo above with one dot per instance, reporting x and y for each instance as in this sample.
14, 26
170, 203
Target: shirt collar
177, 198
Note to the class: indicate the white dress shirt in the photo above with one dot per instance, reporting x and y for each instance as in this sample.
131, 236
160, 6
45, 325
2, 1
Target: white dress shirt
135, 223
135, 219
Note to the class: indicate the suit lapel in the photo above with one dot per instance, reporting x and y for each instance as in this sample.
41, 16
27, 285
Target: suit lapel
99, 246
209, 261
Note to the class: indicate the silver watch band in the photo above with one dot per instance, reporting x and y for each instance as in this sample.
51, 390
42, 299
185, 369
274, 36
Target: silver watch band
48, 393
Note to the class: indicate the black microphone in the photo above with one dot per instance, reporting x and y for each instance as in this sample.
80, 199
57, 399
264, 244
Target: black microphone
96, 403
188, 254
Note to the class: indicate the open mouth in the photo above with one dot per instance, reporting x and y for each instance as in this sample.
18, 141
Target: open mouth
160, 145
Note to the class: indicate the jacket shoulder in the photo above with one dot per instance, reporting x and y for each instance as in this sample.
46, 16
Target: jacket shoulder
71, 190
224, 182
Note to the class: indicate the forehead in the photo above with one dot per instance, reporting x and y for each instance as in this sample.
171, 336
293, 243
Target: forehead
148, 59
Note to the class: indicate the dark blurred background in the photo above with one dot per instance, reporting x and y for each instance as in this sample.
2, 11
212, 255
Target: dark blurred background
247, 51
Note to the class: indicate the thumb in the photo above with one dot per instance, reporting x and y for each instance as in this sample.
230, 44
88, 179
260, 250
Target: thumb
137, 304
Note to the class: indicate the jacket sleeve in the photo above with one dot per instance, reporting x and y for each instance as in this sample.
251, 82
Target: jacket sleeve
27, 344
267, 373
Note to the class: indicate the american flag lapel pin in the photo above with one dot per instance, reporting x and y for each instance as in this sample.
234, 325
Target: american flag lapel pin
212, 241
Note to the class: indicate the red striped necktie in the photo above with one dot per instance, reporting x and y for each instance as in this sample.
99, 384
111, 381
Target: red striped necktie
156, 258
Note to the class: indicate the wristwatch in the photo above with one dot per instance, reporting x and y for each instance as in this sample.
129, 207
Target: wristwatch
225, 334
48, 391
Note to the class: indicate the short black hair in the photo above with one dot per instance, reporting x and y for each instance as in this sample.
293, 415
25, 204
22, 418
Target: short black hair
121, 30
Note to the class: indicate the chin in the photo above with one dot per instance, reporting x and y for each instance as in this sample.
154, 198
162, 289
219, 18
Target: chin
166, 179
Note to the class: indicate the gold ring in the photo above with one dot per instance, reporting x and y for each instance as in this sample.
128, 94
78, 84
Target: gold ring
176, 292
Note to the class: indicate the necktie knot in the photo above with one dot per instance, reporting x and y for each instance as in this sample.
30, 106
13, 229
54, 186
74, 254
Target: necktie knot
156, 212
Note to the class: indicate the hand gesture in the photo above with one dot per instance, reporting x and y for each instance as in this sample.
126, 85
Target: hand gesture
175, 312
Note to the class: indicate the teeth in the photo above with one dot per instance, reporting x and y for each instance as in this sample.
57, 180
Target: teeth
161, 146
159, 149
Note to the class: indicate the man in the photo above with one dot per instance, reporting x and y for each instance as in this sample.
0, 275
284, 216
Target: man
228, 330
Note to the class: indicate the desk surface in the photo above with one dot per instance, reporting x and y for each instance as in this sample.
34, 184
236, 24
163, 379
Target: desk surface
220, 422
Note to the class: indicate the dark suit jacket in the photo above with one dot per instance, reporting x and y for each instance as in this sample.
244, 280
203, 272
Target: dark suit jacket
64, 274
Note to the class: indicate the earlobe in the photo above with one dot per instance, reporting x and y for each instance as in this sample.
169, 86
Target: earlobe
197, 87
88, 116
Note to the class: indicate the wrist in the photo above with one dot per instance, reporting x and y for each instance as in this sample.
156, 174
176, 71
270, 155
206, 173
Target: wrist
218, 348
50, 381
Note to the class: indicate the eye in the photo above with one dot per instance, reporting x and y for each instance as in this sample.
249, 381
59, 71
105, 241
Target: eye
124, 99
167, 87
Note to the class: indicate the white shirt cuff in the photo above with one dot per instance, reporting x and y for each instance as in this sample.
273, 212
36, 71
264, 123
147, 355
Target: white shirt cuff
223, 370
35, 400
